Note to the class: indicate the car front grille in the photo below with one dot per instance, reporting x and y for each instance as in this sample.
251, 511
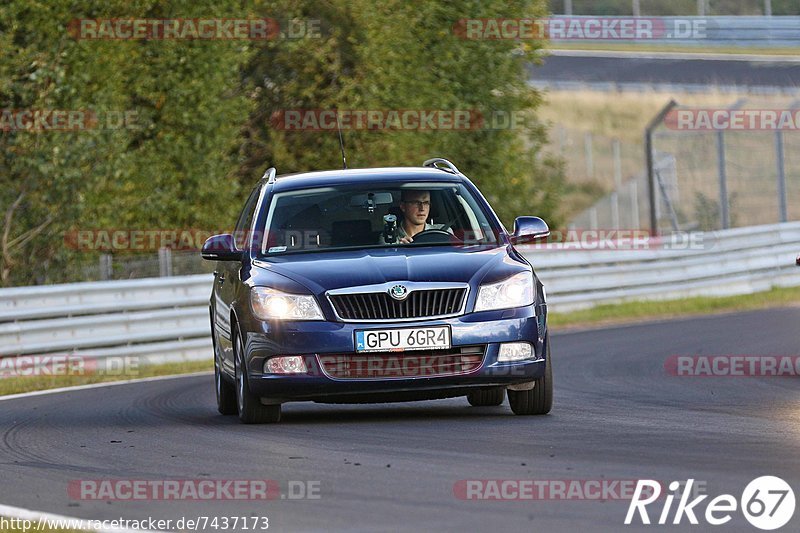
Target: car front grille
380, 306
388, 365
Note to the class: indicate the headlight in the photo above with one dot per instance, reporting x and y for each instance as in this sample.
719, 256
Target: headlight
516, 291
271, 304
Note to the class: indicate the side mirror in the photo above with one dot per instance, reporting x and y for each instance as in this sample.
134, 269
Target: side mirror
221, 248
529, 229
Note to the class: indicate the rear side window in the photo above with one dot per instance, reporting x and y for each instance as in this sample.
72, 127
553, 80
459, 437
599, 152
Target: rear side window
242, 231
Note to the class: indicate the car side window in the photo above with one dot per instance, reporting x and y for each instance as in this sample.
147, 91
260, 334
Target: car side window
243, 225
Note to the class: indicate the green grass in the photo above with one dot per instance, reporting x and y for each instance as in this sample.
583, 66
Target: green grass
638, 311
18, 385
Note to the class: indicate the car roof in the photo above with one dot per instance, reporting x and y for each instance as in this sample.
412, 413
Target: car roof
327, 178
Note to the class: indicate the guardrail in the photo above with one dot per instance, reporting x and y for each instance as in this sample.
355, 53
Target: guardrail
166, 319
735, 261
155, 319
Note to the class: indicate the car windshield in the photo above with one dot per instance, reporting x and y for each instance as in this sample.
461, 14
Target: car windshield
374, 216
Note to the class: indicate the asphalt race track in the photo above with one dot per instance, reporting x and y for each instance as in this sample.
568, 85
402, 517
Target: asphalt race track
677, 71
618, 416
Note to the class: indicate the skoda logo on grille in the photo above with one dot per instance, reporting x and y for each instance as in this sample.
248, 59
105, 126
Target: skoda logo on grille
398, 292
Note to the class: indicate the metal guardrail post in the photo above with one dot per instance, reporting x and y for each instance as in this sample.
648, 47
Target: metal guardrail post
106, 267
165, 262
648, 147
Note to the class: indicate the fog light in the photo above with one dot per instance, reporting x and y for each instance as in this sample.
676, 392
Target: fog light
515, 351
292, 364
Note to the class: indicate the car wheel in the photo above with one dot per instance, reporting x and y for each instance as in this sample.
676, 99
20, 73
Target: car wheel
486, 397
226, 392
248, 405
538, 400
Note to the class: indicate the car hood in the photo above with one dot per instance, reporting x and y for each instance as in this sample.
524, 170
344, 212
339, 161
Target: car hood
320, 272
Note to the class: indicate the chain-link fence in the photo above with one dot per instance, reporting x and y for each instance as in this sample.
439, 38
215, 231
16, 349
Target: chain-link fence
600, 166
727, 176
126, 266
738, 166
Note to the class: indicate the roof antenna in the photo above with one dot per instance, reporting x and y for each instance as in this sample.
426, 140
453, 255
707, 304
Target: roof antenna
341, 141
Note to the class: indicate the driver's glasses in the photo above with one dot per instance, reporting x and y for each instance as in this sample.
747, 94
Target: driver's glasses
418, 204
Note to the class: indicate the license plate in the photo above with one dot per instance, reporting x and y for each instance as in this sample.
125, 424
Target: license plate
405, 339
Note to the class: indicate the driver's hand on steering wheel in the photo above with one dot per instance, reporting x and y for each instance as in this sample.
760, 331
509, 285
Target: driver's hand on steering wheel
405, 240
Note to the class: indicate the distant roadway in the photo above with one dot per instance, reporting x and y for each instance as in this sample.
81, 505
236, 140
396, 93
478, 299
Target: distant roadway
751, 71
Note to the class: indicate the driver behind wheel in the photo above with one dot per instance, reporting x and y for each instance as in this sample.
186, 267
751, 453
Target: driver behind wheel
416, 208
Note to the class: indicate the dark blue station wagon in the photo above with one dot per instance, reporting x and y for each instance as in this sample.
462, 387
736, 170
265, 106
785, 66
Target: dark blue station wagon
376, 285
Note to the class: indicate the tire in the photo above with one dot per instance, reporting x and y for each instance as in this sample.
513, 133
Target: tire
226, 392
538, 400
486, 397
248, 405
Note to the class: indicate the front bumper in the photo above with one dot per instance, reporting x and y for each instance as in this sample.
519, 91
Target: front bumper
317, 338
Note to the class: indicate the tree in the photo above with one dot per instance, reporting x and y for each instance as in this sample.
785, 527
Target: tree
398, 55
170, 168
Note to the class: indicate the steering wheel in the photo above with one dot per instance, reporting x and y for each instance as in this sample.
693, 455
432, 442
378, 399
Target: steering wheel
433, 236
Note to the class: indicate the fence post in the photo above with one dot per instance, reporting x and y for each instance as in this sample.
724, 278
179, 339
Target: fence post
164, 262
637, 11
723, 181
587, 144
617, 184
648, 147
767, 8
782, 208
593, 218
568, 7
723, 173
635, 222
